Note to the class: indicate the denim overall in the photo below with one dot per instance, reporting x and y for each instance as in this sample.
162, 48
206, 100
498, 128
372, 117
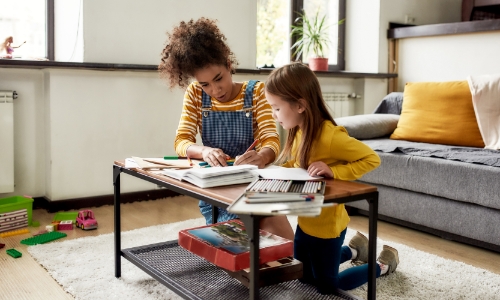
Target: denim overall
231, 131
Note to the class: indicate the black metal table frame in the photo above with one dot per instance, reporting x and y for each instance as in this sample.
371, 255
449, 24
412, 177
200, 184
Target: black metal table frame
251, 224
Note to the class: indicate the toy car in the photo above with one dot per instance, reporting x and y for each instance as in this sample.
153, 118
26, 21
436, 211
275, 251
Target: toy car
86, 220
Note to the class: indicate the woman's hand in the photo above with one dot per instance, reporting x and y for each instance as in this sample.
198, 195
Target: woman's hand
319, 168
214, 157
251, 157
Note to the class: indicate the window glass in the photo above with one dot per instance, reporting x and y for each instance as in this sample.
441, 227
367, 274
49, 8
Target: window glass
330, 8
273, 31
24, 21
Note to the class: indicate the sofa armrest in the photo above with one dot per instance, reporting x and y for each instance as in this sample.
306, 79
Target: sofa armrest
391, 104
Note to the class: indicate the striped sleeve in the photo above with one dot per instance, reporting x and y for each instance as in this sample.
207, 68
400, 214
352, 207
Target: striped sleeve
189, 121
266, 130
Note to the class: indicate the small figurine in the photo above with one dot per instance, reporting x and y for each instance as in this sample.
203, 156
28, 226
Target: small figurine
85, 220
7, 45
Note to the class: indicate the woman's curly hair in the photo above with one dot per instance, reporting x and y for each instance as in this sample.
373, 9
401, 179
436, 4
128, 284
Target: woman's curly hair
192, 46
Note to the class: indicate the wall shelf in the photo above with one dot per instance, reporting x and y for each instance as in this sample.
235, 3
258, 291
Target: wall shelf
444, 29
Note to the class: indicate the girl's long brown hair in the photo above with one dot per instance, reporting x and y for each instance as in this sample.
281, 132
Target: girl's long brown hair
291, 83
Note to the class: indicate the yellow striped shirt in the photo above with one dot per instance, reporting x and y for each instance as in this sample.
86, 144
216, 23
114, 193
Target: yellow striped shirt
190, 123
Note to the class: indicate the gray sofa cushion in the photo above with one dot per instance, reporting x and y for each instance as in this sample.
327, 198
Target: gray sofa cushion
450, 179
369, 126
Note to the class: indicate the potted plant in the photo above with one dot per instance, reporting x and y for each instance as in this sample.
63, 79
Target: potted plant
312, 38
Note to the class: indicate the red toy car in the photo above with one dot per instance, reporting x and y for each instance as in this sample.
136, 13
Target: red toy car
85, 220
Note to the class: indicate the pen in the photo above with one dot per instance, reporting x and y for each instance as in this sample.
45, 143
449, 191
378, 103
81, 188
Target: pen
173, 157
206, 165
252, 145
230, 162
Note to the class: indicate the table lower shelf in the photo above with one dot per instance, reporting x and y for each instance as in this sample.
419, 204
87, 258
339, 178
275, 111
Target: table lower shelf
192, 277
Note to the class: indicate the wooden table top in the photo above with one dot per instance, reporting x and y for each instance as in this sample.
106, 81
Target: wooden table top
228, 194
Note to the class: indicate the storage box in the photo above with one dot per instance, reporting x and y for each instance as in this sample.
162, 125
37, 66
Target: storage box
16, 203
226, 245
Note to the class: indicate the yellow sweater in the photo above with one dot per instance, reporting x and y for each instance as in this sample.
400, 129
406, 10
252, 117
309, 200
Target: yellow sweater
349, 159
190, 123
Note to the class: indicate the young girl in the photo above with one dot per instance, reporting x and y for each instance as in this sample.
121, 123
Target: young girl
317, 144
228, 115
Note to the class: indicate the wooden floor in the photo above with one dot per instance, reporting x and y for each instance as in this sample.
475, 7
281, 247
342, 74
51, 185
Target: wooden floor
23, 278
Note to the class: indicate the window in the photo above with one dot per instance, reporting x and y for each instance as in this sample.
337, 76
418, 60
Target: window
273, 30
24, 21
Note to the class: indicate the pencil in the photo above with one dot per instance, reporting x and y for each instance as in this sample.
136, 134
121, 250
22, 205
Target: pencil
190, 161
252, 145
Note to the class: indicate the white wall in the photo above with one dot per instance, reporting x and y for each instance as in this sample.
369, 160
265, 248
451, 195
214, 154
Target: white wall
448, 58
134, 32
29, 130
367, 22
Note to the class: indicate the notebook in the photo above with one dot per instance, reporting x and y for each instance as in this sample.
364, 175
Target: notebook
215, 176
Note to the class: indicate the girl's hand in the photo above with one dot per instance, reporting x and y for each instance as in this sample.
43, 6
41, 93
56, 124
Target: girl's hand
319, 168
215, 157
252, 157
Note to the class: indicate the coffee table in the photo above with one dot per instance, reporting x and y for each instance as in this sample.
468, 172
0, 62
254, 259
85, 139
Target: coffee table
194, 278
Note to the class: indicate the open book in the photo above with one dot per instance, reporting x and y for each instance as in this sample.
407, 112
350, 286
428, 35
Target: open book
215, 176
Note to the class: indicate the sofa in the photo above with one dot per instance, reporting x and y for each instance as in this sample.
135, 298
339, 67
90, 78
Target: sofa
451, 190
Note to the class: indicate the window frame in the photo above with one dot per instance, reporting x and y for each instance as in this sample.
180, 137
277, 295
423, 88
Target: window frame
49, 36
296, 7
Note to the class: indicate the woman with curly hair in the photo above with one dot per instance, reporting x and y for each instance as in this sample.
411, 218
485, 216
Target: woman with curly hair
229, 115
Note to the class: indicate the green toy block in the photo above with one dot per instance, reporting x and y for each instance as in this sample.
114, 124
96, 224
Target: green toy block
66, 215
43, 238
14, 253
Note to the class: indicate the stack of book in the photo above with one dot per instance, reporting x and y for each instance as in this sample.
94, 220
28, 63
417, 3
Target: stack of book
277, 196
215, 176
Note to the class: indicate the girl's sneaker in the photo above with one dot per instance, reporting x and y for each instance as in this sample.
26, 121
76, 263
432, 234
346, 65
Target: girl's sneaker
360, 243
389, 256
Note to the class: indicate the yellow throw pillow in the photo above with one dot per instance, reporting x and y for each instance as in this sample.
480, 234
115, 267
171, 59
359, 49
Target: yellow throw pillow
438, 113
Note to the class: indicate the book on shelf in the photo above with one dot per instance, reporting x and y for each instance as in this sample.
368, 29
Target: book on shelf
273, 272
227, 245
215, 176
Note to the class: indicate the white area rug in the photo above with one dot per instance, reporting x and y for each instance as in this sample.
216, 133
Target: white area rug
84, 267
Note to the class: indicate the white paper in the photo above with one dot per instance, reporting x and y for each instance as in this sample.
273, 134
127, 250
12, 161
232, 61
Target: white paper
303, 208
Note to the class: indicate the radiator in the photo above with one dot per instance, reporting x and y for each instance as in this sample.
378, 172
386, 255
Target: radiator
341, 104
7, 141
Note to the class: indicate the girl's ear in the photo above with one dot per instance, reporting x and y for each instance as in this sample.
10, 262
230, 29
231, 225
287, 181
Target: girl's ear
301, 105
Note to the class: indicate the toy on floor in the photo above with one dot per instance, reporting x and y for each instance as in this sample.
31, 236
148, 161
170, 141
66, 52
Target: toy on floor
14, 253
14, 232
65, 225
86, 220
66, 215
43, 238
